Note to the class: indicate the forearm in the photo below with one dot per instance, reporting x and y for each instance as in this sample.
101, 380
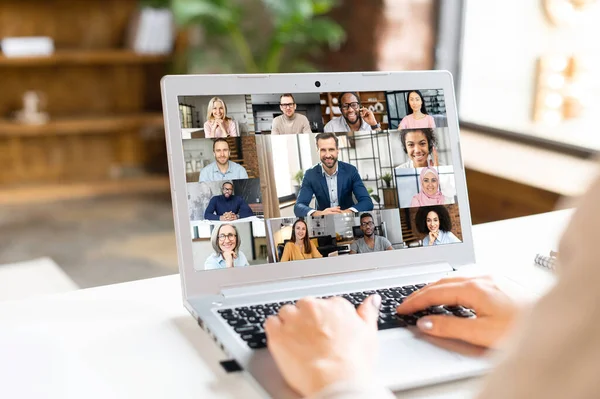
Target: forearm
211, 216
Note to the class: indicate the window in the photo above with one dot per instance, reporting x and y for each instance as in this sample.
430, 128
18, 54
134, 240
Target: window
185, 115
502, 85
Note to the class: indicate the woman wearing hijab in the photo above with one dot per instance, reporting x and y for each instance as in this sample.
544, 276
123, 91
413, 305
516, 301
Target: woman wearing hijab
430, 193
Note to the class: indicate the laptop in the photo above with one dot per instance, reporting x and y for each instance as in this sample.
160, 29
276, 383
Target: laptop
273, 176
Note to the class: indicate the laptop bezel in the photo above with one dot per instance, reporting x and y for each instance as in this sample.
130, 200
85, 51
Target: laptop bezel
211, 282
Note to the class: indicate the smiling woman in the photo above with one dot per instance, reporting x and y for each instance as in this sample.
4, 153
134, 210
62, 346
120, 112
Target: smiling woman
226, 243
218, 124
419, 145
435, 222
431, 193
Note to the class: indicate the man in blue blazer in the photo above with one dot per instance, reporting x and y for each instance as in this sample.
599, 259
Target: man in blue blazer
332, 183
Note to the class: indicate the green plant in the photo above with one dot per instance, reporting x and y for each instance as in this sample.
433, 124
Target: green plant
387, 178
375, 196
299, 176
255, 36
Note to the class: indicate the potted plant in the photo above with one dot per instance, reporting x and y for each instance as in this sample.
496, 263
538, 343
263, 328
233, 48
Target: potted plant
298, 177
387, 179
258, 36
375, 197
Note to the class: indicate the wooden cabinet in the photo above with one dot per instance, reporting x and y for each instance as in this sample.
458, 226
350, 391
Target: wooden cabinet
103, 100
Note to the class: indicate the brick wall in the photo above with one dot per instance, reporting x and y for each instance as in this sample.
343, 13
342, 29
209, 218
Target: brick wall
250, 155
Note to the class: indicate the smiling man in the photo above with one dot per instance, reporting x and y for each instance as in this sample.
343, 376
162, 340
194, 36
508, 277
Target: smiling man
290, 122
222, 168
369, 242
332, 183
227, 207
354, 116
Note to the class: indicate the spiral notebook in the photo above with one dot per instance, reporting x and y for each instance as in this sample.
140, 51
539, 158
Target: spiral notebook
546, 261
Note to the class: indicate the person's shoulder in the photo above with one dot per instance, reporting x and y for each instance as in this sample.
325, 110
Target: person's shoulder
302, 117
315, 169
383, 239
346, 166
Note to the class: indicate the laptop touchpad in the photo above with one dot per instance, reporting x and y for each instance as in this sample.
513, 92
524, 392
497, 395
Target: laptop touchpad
408, 358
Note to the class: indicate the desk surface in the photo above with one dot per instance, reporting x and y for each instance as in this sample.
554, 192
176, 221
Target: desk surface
135, 340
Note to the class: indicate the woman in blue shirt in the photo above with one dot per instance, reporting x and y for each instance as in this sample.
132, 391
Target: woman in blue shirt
435, 222
226, 244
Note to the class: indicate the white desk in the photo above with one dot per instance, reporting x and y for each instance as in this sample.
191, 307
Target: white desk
135, 340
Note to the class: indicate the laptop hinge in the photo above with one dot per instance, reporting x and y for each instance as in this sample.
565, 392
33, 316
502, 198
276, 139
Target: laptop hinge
325, 279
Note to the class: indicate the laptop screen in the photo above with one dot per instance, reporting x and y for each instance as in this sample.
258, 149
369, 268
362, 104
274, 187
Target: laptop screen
275, 178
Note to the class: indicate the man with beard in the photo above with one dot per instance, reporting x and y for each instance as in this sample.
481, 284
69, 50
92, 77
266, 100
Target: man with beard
370, 242
290, 122
354, 116
332, 183
227, 207
222, 168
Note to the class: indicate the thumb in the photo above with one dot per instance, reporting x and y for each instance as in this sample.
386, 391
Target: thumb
465, 329
369, 310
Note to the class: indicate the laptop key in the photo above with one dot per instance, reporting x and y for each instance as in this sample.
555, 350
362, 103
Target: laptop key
229, 316
464, 313
237, 322
247, 337
411, 320
393, 323
247, 329
256, 344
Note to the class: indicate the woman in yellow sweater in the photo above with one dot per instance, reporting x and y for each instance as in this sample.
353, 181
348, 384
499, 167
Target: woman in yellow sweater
299, 247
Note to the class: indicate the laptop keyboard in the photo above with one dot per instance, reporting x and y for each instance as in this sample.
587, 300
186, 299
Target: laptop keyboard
248, 321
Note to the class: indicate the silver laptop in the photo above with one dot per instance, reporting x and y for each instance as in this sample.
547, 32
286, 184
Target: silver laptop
292, 185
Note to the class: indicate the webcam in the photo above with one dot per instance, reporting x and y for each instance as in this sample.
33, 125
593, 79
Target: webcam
318, 84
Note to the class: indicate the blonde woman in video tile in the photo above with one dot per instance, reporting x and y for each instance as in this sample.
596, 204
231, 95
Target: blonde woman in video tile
218, 124
418, 116
436, 223
419, 145
226, 243
299, 247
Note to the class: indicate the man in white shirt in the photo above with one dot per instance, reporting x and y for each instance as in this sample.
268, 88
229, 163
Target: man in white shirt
222, 168
289, 122
354, 116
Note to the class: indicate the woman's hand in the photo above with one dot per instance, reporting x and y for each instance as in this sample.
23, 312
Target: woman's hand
312, 347
434, 155
433, 236
496, 311
230, 257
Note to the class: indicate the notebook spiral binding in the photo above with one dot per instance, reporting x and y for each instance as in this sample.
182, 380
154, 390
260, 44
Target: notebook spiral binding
548, 262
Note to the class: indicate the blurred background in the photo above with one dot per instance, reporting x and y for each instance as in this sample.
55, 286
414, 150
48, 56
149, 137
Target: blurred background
84, 190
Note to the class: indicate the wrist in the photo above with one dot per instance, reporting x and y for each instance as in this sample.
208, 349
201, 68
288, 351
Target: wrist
328, 373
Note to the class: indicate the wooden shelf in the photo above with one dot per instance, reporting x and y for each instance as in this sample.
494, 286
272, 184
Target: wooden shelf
85, 57
83, 125
41, 193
